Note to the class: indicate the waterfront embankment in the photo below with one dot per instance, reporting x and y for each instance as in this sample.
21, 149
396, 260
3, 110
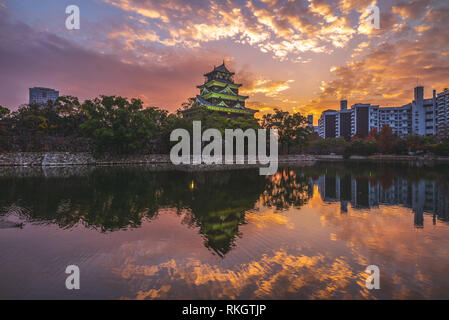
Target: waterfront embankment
43, 159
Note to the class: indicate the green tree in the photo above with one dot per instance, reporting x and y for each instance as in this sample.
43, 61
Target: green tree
293, 129
217, 121
187, 104
4, 112
119, 126
361, 147
420, 144
441, 149
69, 115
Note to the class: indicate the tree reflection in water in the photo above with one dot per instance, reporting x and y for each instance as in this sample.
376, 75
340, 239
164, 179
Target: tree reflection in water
115, 198
288, 187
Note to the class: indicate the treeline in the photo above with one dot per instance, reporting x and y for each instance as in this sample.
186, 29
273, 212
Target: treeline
116, 125
382, 142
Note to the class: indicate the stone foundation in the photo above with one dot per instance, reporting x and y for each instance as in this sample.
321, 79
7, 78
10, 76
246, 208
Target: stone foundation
25, 159
48, 159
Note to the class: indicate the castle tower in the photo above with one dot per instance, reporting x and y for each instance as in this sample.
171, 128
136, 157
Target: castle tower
219, 93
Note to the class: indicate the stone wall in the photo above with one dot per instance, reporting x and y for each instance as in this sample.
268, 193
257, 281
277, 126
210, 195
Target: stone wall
45, 159
68, 158
84, 158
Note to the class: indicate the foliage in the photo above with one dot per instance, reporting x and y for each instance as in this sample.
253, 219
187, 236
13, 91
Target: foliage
327, 146
3, 112
188, 104
373, 134
362, 147
114, 125
119, 126
386, 139
420, 144
293, 129
215, 120
54, 126
441, 149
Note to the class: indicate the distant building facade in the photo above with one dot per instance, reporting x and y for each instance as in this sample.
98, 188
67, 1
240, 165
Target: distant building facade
327, 124
344, 121
364, 118
442, 110
310, 120
42, 95
419, 117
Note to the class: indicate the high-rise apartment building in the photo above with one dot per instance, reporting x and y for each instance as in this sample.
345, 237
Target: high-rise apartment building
420, 117
42, 95
344, 124
442, 113
327, 124
364, 117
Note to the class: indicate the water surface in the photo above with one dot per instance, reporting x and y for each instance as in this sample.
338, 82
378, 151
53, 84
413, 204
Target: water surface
157, 233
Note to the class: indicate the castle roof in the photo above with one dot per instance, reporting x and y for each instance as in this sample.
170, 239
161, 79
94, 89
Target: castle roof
220, 68
217, 106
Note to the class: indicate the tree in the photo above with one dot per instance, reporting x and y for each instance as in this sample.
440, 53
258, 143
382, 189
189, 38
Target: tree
70, 115
386, 139
361, 147
441, 149
416, 143
118, 126
188, 104
373, 135
4, 112
293, 129
4, 124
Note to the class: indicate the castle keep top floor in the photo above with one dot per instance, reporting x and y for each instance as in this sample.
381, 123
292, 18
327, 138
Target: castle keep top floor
219, 93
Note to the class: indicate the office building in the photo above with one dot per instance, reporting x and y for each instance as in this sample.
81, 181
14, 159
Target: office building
42, 95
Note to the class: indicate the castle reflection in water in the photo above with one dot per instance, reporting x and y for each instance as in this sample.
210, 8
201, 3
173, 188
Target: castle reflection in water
422, 196
109, 199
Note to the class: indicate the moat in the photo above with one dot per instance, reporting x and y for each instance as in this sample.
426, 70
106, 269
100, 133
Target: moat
151, 232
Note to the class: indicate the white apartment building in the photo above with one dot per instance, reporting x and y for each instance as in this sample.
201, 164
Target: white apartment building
442, 111
420, 117
398, 118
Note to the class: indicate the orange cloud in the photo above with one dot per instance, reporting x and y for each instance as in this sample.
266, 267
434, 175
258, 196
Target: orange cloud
269, 88
386, 73
281, 29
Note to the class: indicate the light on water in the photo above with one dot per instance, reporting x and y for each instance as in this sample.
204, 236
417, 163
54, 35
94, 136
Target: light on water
158, 233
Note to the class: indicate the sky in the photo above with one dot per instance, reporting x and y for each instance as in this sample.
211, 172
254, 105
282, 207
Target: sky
300, 56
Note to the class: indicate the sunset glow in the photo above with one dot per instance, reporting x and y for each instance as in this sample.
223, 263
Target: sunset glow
297, 55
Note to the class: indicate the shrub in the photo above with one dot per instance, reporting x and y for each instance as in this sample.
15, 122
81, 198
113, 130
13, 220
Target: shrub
362, 148
441, 149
